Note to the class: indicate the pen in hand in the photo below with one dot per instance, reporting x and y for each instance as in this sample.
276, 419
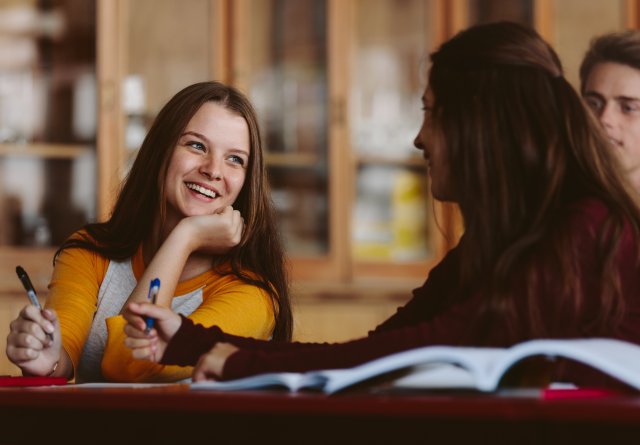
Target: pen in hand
154, 288
31, 292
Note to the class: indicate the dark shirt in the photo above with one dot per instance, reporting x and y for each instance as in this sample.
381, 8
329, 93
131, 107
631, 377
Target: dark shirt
435, 315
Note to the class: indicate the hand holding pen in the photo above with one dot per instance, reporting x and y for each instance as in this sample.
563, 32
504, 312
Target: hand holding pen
144, 345
30, 343
31, 292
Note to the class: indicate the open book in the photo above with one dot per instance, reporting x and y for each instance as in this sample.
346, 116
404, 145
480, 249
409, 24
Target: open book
453, 367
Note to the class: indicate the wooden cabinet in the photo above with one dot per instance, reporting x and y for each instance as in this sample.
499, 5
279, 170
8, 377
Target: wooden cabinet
336, 84
567, 24
337, 87
48, 125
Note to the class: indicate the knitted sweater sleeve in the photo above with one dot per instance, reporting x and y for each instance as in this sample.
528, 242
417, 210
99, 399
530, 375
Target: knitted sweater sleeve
193, 339
458, 321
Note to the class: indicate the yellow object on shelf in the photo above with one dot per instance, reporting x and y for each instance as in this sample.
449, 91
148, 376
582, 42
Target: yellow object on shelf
409, 216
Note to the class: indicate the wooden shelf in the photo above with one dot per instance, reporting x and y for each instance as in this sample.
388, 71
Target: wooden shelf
409, 270
295, 160
388, 289
37, 261
413, 162
45, 150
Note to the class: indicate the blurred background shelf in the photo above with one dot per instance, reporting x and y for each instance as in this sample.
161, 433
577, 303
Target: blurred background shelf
295, 160
45, 150
409, 161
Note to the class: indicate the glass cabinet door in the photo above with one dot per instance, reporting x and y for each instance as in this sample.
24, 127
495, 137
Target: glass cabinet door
576, 22
485, 11
392, 218
283, 69
47, 120
162, 55
568, 25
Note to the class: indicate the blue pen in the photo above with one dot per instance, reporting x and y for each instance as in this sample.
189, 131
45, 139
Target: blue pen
31, 292
154, 288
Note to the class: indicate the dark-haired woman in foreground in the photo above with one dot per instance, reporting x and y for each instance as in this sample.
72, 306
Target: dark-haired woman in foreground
550, 245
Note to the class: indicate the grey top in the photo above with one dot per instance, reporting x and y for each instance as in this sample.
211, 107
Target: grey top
118, 283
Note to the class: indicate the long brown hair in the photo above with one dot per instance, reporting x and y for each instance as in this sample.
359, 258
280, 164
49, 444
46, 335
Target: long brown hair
522, 148
140, 200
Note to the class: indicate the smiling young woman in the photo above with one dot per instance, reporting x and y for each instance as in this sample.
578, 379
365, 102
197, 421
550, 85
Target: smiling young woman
195, 212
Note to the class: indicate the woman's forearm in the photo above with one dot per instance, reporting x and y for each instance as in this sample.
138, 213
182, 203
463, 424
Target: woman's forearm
168, 265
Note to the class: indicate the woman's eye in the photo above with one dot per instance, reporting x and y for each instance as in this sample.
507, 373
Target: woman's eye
236, 160
197, 145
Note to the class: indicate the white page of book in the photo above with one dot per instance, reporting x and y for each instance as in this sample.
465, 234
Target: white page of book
439, 376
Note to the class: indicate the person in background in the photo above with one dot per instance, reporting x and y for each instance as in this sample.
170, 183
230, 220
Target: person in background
173, 220
610, 85
550, 247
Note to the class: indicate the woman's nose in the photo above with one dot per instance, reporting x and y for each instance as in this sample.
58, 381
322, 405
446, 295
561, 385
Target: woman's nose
211, 168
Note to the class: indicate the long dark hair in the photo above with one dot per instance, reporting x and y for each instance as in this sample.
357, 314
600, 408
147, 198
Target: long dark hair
140, 200
522, 147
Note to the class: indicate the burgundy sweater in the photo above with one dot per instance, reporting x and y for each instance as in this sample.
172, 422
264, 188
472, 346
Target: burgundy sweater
436, 316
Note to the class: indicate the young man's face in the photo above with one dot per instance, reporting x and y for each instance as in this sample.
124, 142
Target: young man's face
612, 91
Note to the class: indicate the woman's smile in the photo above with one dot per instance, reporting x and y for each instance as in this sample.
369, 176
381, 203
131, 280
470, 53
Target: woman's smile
202, 190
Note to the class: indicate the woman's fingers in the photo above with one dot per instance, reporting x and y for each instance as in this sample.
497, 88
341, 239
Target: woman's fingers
143, 349
142, 354
33, 342
134, 332
205, 368
134, 321
211, 364
23, 340
139, 343
51, 323
144, 345
23, 347
26, 325
238, 224
20, 355
32, 313
136, 312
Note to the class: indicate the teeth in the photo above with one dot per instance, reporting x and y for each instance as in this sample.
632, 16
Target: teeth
202, 190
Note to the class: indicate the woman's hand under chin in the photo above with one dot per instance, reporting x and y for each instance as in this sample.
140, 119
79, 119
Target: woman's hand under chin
217, 233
